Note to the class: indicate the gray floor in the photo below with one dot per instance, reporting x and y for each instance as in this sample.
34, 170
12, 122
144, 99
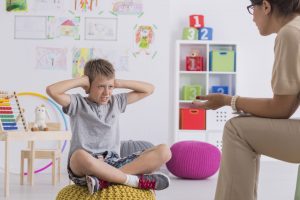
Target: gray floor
277, 182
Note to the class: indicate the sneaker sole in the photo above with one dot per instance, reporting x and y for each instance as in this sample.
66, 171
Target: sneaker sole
90, 182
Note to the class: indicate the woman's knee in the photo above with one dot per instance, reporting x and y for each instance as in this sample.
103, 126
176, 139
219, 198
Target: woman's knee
230, 126
164, 152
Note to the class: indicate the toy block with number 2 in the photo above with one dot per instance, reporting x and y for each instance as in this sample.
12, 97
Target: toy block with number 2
196, 21
190, 33
205, 33
219, 89
191, 91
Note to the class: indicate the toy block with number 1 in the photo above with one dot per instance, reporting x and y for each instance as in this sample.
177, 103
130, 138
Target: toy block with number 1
190, 33
191, 91
219, 89
205, 33
196, 21
194, 63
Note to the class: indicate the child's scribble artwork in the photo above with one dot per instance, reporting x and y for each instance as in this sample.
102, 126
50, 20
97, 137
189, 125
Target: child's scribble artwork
80, 57
144, 40
127, 7
118, 58
16, 5
63, 27
48, 5
51, 58
101, 28
86, 5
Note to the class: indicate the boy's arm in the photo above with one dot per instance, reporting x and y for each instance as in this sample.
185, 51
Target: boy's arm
140, 89
57, 90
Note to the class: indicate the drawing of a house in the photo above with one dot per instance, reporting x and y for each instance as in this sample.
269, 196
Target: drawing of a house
67, 28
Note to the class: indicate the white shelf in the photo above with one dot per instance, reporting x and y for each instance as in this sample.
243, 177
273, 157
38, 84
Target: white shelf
215, 119
193, 72
222, 73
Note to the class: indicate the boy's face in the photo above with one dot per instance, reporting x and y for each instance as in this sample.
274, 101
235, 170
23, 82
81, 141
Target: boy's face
101, 89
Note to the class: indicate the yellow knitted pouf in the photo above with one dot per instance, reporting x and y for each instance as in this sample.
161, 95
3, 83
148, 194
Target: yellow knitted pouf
113, 192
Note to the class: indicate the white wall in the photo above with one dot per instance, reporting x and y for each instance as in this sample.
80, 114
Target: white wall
150, 119
144, 120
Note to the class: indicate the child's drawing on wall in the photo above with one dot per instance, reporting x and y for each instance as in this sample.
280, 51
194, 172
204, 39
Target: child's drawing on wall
80, 57
144, 36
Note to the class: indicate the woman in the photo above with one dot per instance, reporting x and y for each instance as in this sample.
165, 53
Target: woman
268, 131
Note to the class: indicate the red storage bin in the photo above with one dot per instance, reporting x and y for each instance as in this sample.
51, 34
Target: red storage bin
192, 119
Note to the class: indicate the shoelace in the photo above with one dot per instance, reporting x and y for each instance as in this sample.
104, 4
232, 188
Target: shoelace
146, 184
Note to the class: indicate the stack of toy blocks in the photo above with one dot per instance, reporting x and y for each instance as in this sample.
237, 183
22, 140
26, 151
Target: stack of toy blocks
197, 30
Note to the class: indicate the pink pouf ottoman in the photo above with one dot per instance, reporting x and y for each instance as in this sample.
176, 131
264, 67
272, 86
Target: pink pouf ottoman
194, 160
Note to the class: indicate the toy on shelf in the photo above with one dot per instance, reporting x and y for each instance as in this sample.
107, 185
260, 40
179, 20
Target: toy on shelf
41, 116
190, 33
191, 91
194, 62
205, 33
197, 30
220, 89
11, 113
196, 21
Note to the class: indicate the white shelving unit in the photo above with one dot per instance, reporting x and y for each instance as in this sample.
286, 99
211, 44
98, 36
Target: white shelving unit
215, 120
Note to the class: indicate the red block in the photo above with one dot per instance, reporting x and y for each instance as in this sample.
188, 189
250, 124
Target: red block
192, 119
196, 21
194, 63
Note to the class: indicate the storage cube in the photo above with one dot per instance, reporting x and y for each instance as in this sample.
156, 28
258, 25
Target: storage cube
192, 119
219, 89
196, 21
194, 63
190, 33
205, 33
191, 91
222, 61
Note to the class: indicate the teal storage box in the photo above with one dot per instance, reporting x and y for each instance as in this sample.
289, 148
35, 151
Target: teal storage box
222, 61
191, 91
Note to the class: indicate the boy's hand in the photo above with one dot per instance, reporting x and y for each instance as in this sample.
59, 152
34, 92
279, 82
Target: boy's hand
212, 101
86, 84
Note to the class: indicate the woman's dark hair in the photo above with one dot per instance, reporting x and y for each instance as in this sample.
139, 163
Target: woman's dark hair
284, 7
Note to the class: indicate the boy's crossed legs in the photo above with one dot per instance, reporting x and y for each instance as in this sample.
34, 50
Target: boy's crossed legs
121, 171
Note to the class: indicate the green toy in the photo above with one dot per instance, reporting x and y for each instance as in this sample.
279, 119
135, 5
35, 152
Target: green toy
191, 91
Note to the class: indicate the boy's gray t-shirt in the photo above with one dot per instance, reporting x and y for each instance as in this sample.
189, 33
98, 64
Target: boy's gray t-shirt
95, 128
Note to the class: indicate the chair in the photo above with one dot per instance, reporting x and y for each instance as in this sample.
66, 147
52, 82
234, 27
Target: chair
53, 154
297, 193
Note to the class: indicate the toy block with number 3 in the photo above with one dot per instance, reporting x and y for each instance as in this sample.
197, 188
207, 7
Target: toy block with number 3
196, 21
191, 91
190, 34
205, 33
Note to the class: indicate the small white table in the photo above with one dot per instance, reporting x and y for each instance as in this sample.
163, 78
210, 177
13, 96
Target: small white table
11, 136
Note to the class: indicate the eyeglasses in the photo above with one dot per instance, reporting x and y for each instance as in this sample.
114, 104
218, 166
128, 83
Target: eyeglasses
250, 9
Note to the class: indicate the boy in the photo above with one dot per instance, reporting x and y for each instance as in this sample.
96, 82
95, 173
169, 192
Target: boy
93, 158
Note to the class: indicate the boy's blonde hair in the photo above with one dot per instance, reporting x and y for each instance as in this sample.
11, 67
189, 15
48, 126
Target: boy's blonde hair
97, 67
